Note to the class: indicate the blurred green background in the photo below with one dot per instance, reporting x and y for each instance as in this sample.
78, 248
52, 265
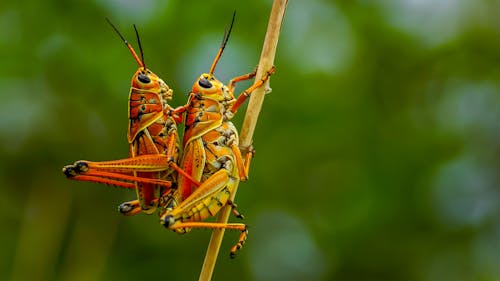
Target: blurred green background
377, 151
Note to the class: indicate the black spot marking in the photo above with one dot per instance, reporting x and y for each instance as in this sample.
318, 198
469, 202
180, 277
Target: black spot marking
143, 78
204, 83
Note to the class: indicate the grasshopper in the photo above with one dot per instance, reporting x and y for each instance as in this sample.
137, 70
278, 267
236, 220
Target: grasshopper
211, 154
153, 144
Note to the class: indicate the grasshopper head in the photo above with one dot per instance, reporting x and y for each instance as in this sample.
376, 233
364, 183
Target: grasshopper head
144, 79
207, 85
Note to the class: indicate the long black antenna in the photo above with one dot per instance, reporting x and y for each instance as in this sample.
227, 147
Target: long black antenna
223, 44
117, 31
140, 46
140, 63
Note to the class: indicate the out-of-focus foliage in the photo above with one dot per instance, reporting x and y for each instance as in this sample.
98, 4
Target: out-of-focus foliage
377, 152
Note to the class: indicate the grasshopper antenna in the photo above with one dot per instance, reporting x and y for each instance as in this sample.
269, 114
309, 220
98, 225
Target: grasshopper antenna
132, 51
140, 47
222, 45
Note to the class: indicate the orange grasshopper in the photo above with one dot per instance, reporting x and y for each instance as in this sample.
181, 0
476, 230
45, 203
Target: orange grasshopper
211, 154
153, 144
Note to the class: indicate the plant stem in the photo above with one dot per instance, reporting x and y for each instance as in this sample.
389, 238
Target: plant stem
248, 128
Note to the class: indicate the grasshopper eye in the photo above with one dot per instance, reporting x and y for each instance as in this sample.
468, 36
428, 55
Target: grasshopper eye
143, 78
204, 83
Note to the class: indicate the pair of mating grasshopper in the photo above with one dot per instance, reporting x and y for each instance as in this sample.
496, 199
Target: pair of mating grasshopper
185, 187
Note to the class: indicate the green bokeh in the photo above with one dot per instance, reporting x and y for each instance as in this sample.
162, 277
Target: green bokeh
377, 151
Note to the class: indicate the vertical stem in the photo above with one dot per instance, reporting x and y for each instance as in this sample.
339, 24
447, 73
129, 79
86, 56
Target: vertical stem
265, 63
248, 128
